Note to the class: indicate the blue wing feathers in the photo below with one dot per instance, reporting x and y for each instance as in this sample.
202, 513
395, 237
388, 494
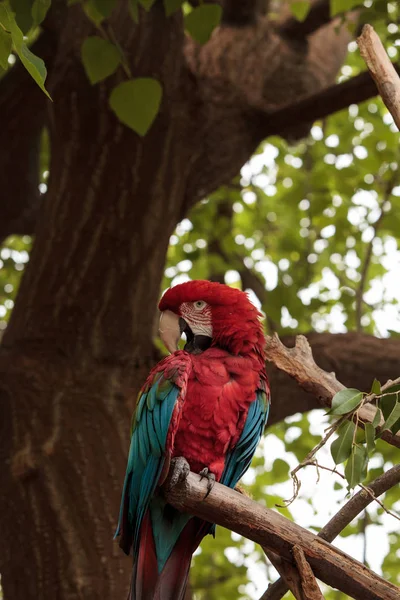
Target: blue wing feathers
146, 454
240, 457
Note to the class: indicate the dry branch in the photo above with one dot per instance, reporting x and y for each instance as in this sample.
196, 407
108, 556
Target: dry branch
235, 511
298, 362
346, 514
290, 576
309, 584
381, 69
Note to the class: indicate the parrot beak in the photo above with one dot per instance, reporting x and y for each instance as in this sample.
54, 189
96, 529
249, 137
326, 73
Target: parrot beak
169, 330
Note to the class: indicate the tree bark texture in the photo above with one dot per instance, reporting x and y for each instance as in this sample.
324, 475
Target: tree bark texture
79, 340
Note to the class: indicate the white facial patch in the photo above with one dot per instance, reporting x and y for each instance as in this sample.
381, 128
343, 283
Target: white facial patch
198, 316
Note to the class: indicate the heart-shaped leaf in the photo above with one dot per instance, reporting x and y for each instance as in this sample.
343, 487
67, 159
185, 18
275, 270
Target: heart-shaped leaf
136, 103
201, 22
100, 58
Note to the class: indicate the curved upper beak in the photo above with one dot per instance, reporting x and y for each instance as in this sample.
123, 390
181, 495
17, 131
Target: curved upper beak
169, 330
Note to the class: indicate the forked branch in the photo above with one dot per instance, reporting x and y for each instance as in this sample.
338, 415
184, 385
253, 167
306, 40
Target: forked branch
344, 517
298, 362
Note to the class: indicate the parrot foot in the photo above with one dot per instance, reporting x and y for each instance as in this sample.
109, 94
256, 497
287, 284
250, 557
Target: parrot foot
179, 471
205, 473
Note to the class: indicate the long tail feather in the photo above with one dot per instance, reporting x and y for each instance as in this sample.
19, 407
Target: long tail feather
170, 584
145, 572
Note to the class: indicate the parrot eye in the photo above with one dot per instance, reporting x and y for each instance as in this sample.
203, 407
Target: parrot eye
199, 304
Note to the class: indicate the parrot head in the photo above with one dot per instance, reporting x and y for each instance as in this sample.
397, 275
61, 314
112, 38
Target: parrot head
210, 314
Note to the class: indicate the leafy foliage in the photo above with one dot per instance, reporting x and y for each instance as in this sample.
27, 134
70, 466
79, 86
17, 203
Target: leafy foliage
13, 37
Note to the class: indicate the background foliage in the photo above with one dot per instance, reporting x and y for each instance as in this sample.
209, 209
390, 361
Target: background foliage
314, 228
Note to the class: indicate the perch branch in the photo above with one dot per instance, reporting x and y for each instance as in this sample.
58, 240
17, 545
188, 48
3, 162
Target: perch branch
235, 511
381, 69
298, 362
343, 517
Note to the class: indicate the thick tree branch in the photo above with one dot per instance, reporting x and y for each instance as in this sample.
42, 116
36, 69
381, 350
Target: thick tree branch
318, 15
239, 14
235, 511
299, 363
381, 69
322, 104
346, 514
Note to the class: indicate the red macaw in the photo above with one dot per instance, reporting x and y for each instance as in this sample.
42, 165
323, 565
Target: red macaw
203, 408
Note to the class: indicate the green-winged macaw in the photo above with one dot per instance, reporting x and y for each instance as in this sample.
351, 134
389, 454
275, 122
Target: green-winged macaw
203, 408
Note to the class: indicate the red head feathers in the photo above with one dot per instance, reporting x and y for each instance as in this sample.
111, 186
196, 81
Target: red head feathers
232, 320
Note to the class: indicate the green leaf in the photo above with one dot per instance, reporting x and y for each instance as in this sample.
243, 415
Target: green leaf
134, 10
92, 12
392, 418
300, 9
104, 7
345, 401
202, 21
100, 58
376, 387
172, 6
147, 4
33, 64
370, 437
136, 103
5, 48
356, 466
280, 470
341, 6
22, 10
377, 418
39, 10
341, 447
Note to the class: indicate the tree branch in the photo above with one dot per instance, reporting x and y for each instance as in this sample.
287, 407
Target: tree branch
318, 15
346, 514
321, 105
381, 69
239, 14
235, 511
299, 363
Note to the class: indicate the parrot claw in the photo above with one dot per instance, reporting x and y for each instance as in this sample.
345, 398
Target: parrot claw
205, 473
179, 471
